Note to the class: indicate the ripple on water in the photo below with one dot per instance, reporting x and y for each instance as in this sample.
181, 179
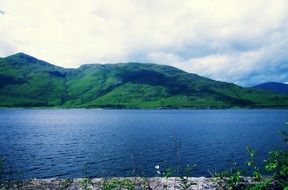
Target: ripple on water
57, 143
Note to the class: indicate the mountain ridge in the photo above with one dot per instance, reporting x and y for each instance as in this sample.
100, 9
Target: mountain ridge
276, 87
26, 81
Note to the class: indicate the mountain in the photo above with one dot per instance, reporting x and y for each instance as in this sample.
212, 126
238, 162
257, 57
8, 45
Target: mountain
28, 82
274, 87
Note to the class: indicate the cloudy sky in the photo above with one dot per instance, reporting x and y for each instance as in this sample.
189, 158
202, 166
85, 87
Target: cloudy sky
240, 41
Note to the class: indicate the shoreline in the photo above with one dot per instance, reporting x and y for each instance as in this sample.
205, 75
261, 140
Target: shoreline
126, 108
137, 183
134, 183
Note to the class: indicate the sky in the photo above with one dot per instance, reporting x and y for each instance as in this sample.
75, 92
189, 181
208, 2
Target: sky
239, 41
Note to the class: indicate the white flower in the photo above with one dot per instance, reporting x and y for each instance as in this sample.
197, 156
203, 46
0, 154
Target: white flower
158, 172
157, 167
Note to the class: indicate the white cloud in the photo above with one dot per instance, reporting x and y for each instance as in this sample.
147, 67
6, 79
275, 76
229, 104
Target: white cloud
230, 40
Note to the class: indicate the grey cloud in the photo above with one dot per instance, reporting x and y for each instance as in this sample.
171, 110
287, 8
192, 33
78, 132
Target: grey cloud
234, 41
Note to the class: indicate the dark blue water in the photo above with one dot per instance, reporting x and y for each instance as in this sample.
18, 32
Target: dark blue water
57, 143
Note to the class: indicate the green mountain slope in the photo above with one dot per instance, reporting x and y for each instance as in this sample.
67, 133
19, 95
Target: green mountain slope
28, 82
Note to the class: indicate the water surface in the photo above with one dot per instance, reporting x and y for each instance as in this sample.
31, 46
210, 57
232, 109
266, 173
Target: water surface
57, 143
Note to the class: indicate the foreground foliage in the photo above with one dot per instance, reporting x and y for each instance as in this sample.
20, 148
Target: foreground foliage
276, 164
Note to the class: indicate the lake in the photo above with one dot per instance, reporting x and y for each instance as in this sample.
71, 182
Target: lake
65, 143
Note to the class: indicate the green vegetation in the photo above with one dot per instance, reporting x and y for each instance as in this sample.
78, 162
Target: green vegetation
277, 164
185, 183
113, 183
86, 181
231, 178
252, 163
28, 82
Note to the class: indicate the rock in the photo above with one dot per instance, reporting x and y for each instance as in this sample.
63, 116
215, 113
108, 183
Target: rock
154, 183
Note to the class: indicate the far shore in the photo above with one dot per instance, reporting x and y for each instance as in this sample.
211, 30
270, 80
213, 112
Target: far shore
136, 108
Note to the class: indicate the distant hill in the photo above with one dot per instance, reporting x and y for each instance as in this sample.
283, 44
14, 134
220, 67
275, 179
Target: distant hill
274, 87
28, 82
